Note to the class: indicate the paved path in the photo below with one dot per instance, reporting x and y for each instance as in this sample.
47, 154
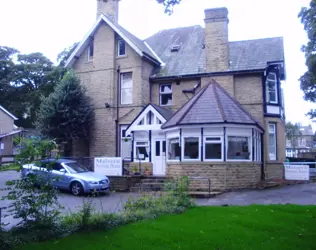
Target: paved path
303, 194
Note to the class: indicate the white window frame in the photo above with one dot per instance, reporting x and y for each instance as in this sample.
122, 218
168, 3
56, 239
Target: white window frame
121, 89
271, 156
183, 148
275, 86
164, 93
135, 150
167, 148
124, 127
90, 58
213, 142
249, 146
118, 47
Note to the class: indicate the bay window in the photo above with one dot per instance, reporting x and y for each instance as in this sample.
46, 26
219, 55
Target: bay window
272, 88
127, 88
272, 141
191, 148
238, 148
174, 149
213, 148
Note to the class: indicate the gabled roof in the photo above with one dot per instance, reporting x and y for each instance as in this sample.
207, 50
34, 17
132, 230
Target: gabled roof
190, 59
140, 47
211, 105
8, 113
162, 114
166, 113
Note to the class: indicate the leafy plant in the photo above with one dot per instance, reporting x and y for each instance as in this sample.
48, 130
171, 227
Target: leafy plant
35, 207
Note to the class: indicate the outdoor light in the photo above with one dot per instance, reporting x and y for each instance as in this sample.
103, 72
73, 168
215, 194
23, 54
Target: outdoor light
107, 105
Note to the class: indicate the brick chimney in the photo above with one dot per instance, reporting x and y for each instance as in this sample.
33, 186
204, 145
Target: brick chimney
110, 8
216, 39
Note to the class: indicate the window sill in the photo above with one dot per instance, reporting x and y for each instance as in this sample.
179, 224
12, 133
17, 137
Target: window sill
88, 62
126, 105
121, 57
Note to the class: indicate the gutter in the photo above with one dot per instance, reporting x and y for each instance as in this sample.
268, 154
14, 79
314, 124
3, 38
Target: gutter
223, 73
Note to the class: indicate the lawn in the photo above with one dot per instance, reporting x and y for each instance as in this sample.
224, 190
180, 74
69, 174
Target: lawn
253, 227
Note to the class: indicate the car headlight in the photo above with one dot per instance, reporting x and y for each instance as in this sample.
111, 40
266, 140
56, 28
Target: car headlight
93, 182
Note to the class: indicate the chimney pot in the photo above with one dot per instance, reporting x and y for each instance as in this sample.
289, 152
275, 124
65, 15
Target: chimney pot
216, 15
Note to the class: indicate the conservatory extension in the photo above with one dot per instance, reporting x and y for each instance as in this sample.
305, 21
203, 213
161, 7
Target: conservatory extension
211, 137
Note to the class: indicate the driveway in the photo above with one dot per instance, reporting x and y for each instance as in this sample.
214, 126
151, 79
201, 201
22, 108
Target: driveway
303, 194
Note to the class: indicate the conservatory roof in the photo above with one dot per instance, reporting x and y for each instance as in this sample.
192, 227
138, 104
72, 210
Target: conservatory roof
211, 105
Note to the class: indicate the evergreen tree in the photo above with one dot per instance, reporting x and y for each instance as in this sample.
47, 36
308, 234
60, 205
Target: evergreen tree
67, 113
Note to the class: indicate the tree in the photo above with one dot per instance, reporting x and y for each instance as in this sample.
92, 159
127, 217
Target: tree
293, 133
67, 113
63, 56
24, 78
169, 4
308, 80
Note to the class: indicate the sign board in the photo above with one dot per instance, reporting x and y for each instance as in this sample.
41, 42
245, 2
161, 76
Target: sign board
296, 172
109, 166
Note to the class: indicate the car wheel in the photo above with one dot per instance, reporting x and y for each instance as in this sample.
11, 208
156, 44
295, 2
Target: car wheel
76, 188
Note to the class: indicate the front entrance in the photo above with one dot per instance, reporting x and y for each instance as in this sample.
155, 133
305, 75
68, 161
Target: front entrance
159, 157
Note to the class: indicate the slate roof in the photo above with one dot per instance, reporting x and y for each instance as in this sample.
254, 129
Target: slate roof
190, 59
166, 113
211, 105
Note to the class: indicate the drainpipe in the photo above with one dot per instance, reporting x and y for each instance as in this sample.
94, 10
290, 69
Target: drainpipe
263, 177
117, 111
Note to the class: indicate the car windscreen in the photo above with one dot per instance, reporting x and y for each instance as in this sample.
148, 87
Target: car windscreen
75, 168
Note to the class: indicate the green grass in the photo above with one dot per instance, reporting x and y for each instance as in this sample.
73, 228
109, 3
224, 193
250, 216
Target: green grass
9, 167
253, 227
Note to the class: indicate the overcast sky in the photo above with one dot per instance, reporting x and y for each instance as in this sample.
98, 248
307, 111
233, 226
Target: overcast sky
48, 26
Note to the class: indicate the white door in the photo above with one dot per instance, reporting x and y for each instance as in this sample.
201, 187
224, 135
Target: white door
159, 157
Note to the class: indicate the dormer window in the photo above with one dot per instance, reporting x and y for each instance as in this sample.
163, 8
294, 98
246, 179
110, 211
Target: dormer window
272, 88
121, 48
90, 52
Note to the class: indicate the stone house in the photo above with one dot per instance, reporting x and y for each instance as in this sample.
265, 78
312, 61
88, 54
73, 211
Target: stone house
7, 132
185, 101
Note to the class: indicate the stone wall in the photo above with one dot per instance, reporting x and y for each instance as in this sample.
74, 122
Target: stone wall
123, 183
178, 97
274, 171
223, 176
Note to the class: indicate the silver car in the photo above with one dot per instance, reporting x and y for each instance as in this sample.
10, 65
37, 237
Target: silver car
68, 175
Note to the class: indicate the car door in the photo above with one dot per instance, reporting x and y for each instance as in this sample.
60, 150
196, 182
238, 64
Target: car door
59, 175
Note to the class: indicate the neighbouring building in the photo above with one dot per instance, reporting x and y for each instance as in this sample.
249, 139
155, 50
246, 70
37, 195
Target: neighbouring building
7, 132
185, 101
301, 142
